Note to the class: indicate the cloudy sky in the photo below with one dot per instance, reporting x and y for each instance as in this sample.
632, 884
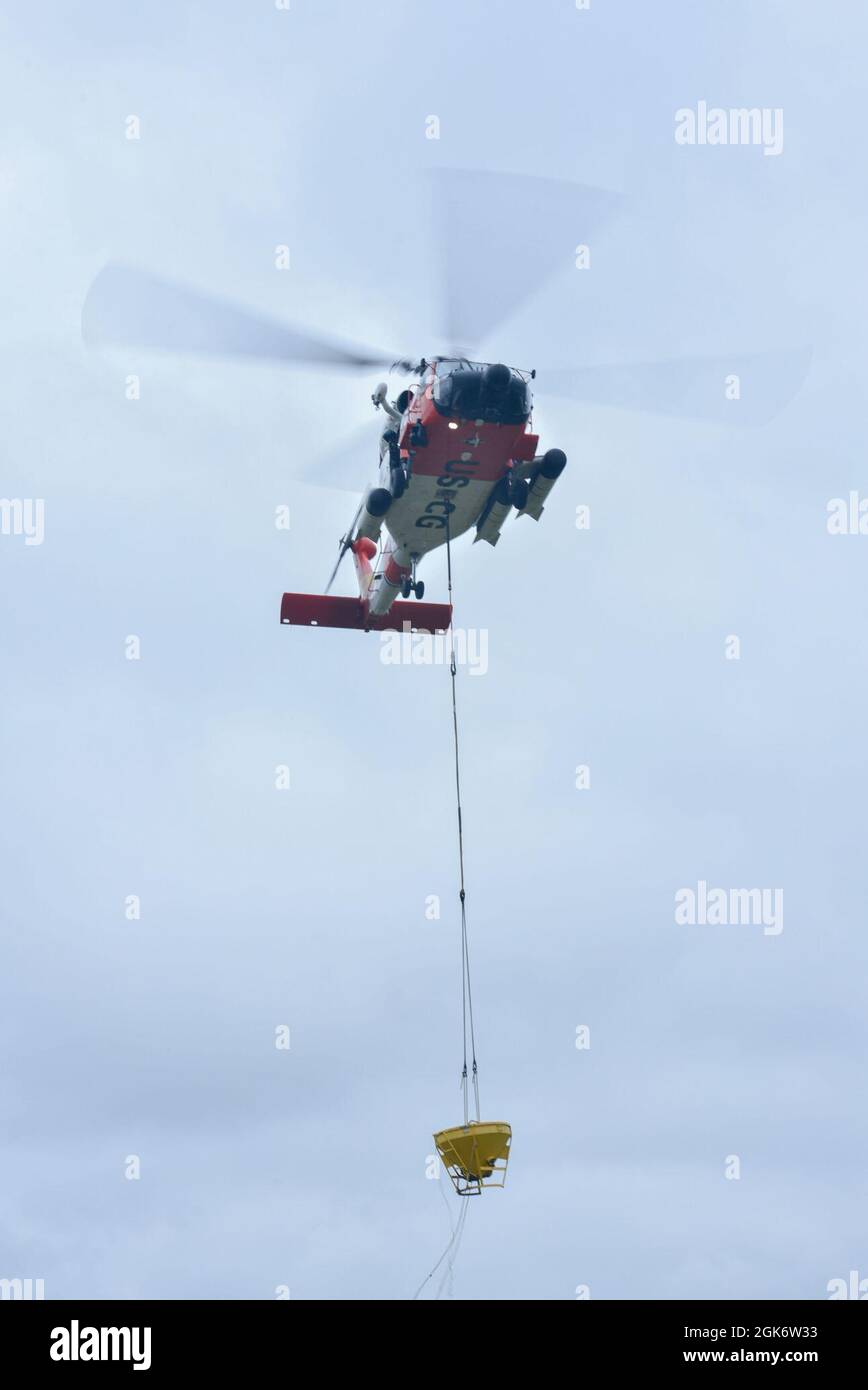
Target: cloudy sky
607, 647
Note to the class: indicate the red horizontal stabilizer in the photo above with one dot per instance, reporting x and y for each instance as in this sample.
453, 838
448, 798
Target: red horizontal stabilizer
326, 610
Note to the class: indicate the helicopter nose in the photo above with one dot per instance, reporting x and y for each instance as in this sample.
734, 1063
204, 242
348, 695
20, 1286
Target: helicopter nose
495, 380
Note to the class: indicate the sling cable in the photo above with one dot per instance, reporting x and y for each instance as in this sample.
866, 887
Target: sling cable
475, 1154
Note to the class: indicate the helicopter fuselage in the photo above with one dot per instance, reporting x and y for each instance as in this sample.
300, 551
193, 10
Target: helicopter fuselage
457, 444
453, 463
458, 451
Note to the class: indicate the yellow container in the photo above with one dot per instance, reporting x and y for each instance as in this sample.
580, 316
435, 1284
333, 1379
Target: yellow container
475, 1155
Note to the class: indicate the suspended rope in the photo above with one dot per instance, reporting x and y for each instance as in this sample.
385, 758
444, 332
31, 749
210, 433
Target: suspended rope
466, 992
454, 1242
451, 1260
470, 1165
449, 1272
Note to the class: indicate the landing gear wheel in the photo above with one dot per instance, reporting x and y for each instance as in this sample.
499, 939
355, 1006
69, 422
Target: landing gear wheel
420, 588
406, 588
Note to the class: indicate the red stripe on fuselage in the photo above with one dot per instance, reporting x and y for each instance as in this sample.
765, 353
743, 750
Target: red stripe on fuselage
479, 452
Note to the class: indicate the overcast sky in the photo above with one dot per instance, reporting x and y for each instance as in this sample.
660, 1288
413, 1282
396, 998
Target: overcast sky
607, 647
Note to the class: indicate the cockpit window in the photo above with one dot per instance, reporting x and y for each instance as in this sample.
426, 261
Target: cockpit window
482, 391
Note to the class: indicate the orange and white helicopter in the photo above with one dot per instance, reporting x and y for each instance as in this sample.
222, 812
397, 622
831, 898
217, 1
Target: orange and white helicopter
458, 449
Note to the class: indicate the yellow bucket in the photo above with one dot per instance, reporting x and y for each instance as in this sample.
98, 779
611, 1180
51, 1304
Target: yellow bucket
475, 1155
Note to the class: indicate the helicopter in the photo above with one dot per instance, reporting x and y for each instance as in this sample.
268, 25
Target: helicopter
457, 450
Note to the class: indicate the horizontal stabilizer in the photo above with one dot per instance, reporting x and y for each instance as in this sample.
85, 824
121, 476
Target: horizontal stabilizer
327, 610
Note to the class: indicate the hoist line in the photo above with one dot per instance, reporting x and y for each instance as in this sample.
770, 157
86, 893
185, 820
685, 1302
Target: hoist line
466, 990
456, 1235
467, 1024
448, 1275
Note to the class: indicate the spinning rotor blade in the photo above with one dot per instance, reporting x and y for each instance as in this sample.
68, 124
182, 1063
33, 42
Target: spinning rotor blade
352, 464
133, 307
500, 236
691, 387
345, 543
